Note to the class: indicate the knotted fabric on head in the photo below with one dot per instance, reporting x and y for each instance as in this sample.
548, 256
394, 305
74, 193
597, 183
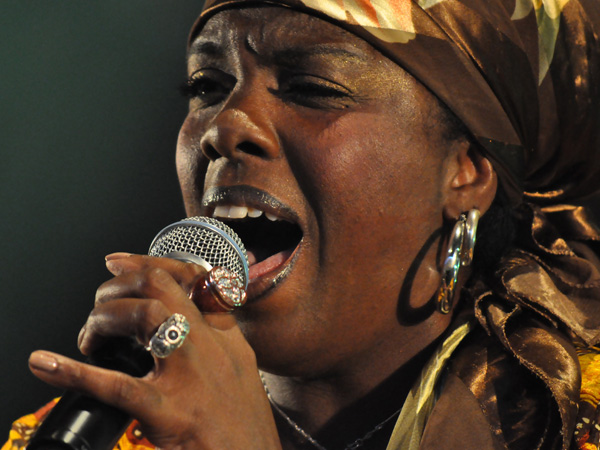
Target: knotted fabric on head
524, 77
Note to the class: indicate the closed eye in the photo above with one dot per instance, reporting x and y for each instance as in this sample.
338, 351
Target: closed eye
208, 87
313, 91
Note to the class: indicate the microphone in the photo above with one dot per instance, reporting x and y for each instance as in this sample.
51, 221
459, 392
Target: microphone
79, 422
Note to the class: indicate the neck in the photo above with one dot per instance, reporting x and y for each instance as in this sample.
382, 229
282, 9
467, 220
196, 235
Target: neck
338, 409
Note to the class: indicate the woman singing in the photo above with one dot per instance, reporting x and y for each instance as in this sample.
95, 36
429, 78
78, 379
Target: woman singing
362, 149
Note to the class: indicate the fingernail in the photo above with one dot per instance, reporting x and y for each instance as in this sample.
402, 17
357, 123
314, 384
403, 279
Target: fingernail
43, 361
120, 266
117, 255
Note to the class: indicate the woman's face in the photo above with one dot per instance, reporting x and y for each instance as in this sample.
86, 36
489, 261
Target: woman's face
296, 118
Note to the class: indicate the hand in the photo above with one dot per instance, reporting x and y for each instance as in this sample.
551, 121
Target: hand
206, 395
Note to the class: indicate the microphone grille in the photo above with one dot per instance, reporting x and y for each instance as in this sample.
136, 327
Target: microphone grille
203, 239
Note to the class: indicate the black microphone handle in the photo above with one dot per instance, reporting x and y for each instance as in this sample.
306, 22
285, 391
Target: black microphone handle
79, 422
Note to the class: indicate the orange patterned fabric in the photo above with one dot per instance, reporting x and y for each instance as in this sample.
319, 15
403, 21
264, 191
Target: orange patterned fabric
587, 430
25, 427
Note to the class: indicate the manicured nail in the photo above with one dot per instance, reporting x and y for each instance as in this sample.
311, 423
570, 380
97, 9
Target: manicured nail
120, 266
118, 255
43, 361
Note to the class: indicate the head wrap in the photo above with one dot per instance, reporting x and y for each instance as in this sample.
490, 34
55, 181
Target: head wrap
524, 78
522, 75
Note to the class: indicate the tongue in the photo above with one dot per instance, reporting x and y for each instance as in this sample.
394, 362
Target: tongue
268, 265
251, 258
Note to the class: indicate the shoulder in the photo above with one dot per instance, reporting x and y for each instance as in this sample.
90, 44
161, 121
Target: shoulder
491, 399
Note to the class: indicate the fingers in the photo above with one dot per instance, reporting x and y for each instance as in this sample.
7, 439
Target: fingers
122, 317
156, 296
211, 369
127, 283
130, 283
145, 283
183, 273
110, 387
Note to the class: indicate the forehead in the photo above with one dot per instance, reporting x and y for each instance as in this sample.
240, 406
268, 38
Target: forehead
274, 29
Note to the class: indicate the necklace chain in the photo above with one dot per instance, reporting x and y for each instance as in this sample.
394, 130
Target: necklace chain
353, 446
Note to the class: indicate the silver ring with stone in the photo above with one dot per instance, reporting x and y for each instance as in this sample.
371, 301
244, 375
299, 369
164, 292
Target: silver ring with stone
169, 336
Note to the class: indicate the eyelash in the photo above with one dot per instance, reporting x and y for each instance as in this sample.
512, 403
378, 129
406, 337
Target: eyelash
297, 88
204, 87
312, 89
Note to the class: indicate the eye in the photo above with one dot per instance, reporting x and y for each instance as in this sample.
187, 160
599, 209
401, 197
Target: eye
314, 91
208, 87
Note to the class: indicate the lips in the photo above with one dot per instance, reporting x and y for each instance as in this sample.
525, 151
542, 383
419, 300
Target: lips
269, 230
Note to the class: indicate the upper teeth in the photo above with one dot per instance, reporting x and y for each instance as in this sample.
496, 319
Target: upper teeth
240, 212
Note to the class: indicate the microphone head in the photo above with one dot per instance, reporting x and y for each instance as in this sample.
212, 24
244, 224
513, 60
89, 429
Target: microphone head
203, 241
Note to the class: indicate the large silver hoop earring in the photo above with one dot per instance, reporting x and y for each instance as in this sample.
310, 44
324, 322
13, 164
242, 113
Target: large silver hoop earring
470, 236
460, 253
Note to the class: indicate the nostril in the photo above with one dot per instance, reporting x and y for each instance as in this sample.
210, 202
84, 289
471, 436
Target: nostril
210, 152
232, 134
251, 148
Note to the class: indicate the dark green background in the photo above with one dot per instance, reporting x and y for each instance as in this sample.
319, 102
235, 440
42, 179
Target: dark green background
89, 115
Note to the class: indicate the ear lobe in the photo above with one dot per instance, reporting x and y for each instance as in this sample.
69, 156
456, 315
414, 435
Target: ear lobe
472, 183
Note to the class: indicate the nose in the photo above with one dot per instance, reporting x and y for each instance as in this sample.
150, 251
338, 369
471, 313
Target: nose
242, 128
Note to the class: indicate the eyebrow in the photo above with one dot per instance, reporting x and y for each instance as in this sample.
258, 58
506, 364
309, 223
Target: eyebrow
299, 53
206, 47
289, 55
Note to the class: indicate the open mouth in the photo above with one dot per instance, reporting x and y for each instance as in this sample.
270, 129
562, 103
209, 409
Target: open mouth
270, 239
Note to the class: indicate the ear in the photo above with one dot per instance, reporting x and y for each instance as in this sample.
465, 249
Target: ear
471, 182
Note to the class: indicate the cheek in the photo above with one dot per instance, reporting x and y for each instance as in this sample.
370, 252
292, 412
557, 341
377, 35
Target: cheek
365, 167
377, 198
375, 190
191, 165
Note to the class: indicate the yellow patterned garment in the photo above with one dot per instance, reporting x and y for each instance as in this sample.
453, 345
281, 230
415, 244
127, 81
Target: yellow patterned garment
23, 429
587, 432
